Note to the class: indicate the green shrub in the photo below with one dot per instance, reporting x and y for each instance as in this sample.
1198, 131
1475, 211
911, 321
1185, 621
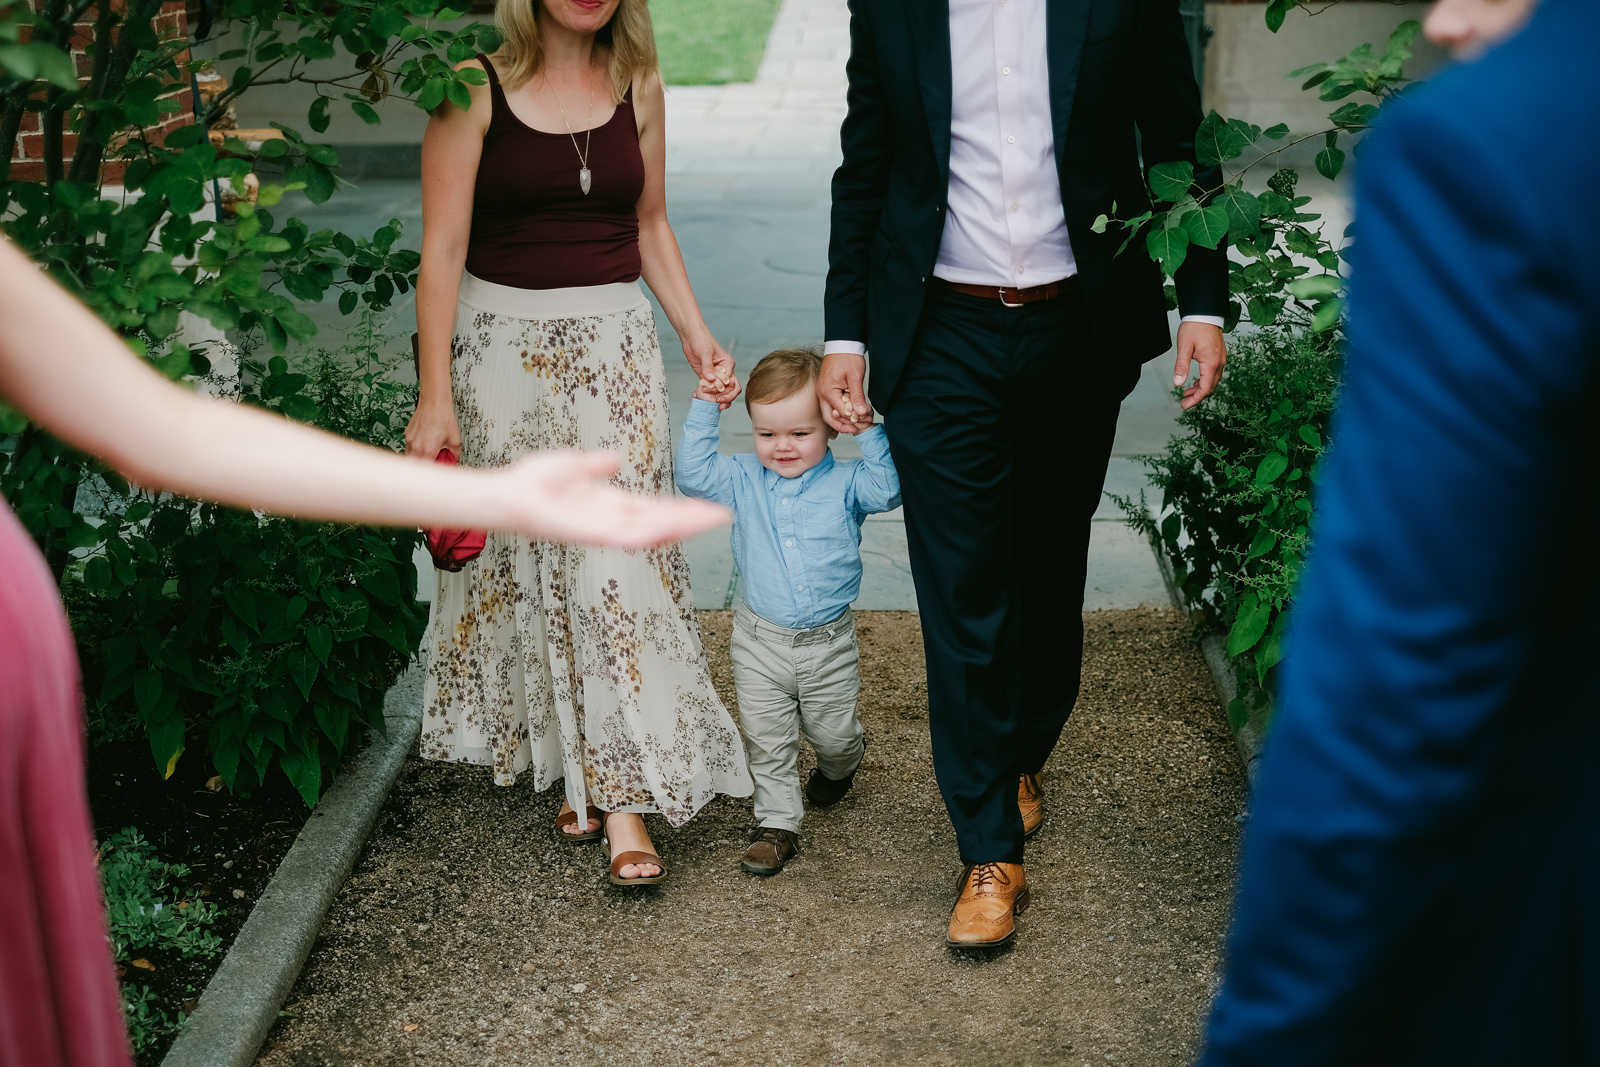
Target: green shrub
1236, 496
150, 910
268, 640
1236, 481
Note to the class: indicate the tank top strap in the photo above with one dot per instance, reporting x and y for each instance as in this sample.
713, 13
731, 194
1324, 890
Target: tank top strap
497, 95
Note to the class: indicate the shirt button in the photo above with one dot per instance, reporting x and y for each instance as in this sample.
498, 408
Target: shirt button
1005, 70
789, 543
1019, 268
1011, 139
1016, 207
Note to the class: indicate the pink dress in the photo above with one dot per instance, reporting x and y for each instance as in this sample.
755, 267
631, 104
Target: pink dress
59, 1005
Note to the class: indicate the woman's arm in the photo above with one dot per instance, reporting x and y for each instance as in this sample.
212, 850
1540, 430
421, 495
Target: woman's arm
661, 261
451, 148
69, 374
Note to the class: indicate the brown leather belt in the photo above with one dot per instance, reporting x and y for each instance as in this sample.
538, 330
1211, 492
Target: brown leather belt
1008, 295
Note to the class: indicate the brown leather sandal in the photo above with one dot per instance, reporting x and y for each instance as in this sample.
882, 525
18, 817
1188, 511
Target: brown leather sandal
621, 860
570, 818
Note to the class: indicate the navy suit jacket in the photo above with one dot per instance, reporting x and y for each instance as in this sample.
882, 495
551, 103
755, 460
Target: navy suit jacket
1119, 71
1420, 881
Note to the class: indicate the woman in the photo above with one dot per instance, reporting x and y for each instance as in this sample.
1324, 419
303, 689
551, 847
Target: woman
542, 206
58, 994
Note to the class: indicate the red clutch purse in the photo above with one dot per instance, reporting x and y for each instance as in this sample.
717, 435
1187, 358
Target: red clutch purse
453, 549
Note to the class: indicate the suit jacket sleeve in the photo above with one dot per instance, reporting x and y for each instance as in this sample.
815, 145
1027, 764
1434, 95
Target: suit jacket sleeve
1430, 572
859, 185
1169, 116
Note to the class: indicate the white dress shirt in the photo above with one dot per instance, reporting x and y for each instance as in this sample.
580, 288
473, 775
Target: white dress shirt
1004, 225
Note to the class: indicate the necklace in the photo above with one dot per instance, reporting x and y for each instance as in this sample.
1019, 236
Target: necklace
583, 153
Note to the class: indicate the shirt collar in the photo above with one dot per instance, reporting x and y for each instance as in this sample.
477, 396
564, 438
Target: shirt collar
774, 479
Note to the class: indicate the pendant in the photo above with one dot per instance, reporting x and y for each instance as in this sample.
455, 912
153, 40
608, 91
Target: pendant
583, 180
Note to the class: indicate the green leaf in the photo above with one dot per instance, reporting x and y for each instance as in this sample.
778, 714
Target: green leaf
303, 669
1265, 541
1243, 209
458, 94
1277, 133
166, 743
334, 721
1330, 161
1207, 226
305, 771
315, 48
1276, 11
432, 94
1248, 625
1310, 436
1170, 181
365, 112
1264, 309
1327, 316
147, 691
320, 638
97, 575
1169, 246
1271, 468
1316, 287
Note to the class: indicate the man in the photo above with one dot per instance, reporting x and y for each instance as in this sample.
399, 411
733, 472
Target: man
983, 138
1422, 870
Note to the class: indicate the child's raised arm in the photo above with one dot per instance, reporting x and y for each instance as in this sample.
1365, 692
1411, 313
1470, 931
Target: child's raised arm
876, 485
699, 469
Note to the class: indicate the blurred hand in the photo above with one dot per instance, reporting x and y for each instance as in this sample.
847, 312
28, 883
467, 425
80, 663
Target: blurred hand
714, 367
1202, 343
432, 427
564, 496
841, 389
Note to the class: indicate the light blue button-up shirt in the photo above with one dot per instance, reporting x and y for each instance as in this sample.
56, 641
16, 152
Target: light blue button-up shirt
797, 541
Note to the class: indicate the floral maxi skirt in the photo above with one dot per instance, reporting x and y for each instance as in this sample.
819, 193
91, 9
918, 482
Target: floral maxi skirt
577, 663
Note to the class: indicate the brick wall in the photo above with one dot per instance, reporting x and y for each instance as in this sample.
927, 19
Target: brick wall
27, 157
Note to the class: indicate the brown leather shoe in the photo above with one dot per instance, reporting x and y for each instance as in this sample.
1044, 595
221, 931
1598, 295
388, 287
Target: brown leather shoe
992, 896
1030, 798
771, 849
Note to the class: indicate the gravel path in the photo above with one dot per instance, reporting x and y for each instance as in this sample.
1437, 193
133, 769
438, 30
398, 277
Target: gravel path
470, 935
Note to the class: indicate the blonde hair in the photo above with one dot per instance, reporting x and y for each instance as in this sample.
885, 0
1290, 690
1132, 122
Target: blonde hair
782, 374
628, 35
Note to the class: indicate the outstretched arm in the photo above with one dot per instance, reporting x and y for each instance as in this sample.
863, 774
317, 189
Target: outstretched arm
876, 486
61, 367
699, 469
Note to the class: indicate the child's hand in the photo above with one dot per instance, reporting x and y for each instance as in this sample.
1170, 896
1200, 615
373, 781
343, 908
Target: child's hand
703, 392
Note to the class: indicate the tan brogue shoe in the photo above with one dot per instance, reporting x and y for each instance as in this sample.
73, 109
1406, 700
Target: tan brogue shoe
992, 896
1030, 798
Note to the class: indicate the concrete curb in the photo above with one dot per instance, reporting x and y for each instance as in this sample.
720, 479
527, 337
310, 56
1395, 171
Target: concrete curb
242, 1000
1248, 739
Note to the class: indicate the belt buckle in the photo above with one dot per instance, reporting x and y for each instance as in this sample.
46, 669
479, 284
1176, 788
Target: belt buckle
1006, 303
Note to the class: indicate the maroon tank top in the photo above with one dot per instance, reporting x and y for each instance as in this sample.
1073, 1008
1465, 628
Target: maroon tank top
532, 225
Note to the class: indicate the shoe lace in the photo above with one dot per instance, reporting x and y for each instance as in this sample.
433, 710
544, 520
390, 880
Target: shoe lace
770, 834
983, 874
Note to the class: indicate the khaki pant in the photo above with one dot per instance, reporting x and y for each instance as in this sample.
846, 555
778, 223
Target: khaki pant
793, 682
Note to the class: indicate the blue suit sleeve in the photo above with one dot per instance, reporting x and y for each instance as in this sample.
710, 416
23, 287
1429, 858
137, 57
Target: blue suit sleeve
698, 468
1411, 632
876, 484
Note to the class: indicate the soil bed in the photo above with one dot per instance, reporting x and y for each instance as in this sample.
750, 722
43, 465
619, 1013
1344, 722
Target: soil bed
228, 843
469, 934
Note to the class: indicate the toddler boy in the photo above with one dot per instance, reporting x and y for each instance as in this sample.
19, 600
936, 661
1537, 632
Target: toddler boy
797, 542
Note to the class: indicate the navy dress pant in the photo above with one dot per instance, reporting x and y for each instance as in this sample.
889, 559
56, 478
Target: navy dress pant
1001, 427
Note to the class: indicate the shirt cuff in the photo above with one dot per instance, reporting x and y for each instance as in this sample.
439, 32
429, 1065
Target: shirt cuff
702, 411
873, 441
855, 348
1209, 320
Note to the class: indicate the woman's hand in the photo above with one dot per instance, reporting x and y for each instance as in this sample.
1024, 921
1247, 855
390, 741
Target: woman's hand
714, 367
432, 427
564, 496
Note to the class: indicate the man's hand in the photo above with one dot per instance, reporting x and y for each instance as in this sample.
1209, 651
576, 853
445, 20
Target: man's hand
841, 389
1202, 343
